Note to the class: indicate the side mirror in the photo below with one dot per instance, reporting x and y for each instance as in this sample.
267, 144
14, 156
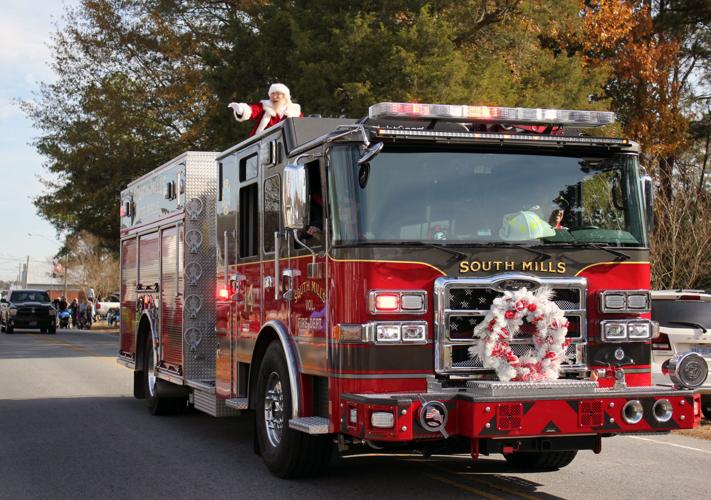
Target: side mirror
371, 153
295, 206
648, 192
3, 301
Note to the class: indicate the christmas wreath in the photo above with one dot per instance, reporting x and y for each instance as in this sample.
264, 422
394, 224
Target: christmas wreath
504, 321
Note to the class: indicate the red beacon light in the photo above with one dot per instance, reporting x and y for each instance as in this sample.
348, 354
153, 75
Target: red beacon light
491, 114
223, 293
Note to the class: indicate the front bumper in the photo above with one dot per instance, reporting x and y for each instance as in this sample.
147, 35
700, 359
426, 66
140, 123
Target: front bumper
32, 322
539, 413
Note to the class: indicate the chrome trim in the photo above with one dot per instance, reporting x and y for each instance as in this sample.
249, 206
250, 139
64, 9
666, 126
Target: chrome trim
169, 376
422, 375
128, 363
667, 410
292, 363
442, 313
400, 310
637, 407
626, 293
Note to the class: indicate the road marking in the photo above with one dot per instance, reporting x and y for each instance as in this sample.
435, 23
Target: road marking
480, 480
670, 444
464, 487
74, 347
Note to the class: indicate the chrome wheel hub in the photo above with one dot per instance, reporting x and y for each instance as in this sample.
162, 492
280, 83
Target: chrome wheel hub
274, 409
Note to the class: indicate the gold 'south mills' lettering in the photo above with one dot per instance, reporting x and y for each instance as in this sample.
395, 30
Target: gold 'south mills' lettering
475, 266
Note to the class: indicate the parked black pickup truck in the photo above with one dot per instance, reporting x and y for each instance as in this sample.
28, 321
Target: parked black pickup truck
28, 309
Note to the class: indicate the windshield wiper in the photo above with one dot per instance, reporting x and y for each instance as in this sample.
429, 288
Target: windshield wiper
600, 246
522, 246
438, 246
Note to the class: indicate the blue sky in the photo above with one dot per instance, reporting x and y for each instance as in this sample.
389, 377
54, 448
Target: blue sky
25, 31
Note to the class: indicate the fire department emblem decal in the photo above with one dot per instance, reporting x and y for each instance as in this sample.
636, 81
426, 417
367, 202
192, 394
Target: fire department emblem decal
193, 304
194, 239
194, 208
193, 272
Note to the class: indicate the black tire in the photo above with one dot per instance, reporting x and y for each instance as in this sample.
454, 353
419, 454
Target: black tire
286, 452
43, 329
9, 329
706, 409
541, 460
52, 330
157, 404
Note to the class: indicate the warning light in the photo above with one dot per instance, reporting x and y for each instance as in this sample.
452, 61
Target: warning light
223, 293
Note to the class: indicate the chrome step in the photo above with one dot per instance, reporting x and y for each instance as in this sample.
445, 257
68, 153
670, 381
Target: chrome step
310, 425
237, 403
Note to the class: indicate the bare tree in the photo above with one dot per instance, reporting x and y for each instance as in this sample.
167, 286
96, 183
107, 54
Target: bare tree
91, 265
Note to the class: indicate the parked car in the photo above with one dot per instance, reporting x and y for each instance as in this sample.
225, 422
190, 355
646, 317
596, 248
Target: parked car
684, 318
28, 309
103, 306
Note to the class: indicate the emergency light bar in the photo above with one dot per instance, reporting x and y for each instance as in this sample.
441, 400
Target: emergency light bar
491, 114
557, 139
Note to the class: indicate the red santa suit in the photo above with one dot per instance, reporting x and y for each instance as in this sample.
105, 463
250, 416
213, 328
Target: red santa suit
264, 113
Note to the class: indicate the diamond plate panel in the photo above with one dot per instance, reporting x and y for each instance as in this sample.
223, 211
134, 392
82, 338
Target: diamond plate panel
493, 388
201, 194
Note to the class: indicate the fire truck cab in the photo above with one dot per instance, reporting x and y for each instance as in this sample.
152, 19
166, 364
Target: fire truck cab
328, 274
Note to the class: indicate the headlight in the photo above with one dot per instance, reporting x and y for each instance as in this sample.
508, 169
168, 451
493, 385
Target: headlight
396, 332
387, 333
613, 331
639, 330
622, 330
688, 370
625, 301
12, 311
382, 419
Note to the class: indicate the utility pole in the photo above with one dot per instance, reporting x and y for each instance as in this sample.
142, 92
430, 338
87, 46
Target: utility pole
65, 276
25, 273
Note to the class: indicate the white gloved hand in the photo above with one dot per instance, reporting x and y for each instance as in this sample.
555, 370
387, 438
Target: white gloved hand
241, 110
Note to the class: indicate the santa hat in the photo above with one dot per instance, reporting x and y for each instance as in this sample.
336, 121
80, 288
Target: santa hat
280, 87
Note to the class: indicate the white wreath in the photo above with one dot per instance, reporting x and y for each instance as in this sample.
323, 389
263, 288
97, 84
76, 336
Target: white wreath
503, 322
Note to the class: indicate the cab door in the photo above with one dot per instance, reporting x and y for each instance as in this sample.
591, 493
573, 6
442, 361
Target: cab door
306, 277
246, 278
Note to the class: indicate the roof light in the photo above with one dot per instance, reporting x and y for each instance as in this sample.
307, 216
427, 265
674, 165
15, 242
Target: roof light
558, 139
223, 293
512, 116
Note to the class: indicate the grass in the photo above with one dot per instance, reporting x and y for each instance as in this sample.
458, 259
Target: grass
701, 432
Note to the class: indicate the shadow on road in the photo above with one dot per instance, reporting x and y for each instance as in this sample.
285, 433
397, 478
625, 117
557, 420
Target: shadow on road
29, 344
111, 447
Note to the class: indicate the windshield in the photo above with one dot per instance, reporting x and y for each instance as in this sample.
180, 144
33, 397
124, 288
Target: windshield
29, 297
458, 196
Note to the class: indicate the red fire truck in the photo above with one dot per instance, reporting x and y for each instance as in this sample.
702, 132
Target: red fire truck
328, 274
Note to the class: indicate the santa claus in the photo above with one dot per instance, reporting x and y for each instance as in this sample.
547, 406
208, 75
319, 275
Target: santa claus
269, 111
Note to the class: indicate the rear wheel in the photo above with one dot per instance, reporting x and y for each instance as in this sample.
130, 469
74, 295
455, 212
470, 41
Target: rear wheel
706, 407
541, 460
153, 387
43, 329
52, 330
286, 452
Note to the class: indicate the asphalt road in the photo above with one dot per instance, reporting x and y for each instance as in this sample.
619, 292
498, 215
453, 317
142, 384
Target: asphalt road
69, 428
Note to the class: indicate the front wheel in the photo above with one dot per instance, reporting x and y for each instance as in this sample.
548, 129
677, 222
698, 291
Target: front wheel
286, 452
541, 460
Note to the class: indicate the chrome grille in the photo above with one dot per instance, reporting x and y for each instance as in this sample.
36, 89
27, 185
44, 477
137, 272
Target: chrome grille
461, 304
